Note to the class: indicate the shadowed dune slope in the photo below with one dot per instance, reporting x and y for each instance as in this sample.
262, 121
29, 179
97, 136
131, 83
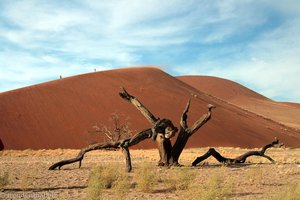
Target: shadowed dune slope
59, 114
234, 93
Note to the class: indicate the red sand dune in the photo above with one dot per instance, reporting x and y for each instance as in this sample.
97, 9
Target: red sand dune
234, 93
221, 88
58, 114
296, 105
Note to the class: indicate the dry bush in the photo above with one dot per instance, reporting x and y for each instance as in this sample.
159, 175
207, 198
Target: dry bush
122, 186
215, 187
146, 178
180, 178
290, 192
102, 177
94, 184
4, 180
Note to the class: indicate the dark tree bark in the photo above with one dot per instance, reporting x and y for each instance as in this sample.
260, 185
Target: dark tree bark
126, 153
185, 132
161, 132
123, 144
1, 145
240, 159
162, 129
169, 155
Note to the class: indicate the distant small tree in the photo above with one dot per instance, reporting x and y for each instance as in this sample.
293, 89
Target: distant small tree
118, 131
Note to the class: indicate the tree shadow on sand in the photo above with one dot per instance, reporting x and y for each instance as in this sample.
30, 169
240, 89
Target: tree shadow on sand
43, 189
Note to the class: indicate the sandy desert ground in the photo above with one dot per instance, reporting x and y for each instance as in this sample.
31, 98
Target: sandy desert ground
28, 177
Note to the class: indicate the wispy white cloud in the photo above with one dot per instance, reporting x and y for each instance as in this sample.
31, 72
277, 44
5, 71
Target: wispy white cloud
254, 43
268, 64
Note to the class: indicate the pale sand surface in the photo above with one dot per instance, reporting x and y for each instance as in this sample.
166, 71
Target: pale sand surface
29, 176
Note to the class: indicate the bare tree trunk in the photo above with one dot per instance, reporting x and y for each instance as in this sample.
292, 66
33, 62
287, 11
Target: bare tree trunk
240, 159
127, 158
162, 130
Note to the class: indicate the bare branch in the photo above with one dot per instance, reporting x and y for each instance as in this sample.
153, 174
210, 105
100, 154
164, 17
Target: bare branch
183, 121
200, 122
134, 101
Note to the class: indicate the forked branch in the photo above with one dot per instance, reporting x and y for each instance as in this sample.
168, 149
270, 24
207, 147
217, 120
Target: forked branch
123, 144
185, 132
200, 122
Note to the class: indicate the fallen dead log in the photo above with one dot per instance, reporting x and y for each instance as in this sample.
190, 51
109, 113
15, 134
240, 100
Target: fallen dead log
240, 159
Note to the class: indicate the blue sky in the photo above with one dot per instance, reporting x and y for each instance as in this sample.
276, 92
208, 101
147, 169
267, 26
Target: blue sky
255, 43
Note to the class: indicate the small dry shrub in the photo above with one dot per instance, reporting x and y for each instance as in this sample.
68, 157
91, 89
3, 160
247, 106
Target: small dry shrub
122, 185
146, 178
215, 187
4, 180
180, 178
290, 192
100, 178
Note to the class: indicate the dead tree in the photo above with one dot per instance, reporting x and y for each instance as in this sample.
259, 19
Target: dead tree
169, 155
120, 129
161, 132
240, 159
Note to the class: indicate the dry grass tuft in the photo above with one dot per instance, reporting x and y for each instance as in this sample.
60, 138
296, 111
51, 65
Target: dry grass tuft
146, 177
180, 178
122, 186
100, 178
215, 187
4, 180
108, 177
290, 192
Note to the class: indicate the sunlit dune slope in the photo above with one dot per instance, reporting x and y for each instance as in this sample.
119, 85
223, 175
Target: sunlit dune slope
60, 113
234, 93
